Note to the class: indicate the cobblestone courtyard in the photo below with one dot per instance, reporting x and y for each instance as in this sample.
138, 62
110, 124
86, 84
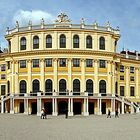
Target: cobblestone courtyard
22, 127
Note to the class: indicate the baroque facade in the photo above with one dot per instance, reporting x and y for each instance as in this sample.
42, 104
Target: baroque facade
68, 66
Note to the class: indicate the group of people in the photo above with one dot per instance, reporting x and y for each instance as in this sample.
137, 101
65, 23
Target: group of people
44, 114
116, 114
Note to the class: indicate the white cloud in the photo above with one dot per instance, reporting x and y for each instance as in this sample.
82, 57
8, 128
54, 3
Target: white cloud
35, 16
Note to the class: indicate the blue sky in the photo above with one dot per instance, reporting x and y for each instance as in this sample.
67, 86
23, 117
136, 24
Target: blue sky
122, 13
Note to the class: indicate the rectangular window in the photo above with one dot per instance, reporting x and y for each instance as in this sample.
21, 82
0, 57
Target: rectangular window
131, 69
3, 89
8, 63
121, 68
22, 63
121, 90
89, 62
3, 67
76, 62
3, 76
132, 78
35, 63
121, 77
132, 91
102, 63
62, 62
48, 62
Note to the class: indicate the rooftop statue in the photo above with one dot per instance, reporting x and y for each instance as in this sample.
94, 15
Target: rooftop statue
82, 21
63, 18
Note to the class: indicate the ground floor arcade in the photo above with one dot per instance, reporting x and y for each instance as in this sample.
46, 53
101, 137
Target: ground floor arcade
56, 105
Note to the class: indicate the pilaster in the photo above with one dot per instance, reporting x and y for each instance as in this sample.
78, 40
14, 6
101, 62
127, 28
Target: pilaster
42, 75
29, 61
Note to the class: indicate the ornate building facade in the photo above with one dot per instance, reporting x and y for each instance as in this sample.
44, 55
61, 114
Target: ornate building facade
68, 66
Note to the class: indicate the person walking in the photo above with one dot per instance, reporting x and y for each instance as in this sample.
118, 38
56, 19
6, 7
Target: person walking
109, 114
116, 114
66, 113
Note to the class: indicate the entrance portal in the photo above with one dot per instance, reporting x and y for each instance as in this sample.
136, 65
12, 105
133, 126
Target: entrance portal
77, 108
21, 108
103, 107
34, 108
62, 107
91, 107
48, 107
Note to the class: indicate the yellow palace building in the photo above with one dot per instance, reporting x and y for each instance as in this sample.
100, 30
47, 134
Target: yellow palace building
63, 66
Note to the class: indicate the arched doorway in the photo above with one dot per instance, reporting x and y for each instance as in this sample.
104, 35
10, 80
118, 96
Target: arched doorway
62, 87
62, 107
76, 87
89, 87
102, 87
36, 86
48, 87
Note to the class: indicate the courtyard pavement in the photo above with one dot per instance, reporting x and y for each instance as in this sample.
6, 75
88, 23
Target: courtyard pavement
23, 127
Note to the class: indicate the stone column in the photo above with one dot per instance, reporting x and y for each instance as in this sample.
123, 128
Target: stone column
109, 74
137, 83
96, 83
83, 75
69, 104
42, 75
127, 82
113, 106
55, 65
56, 112
69, 75
99, 102
2, 104
12, 104
26, 111
122, 105
39, 104
86, 113
54, 101
29, 84
53, 107
16, 78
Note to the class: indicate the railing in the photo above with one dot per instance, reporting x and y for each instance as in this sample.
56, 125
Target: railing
46, 94
51, 26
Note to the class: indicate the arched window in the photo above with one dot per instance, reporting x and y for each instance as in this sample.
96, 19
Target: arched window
35, 42
89, 42
8, 86
76, 87
62, 87
102, 43
23, 86
62, 41
75, 41
102, 87
48, 86
89, 86
48, 41
23, 43
36, 86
